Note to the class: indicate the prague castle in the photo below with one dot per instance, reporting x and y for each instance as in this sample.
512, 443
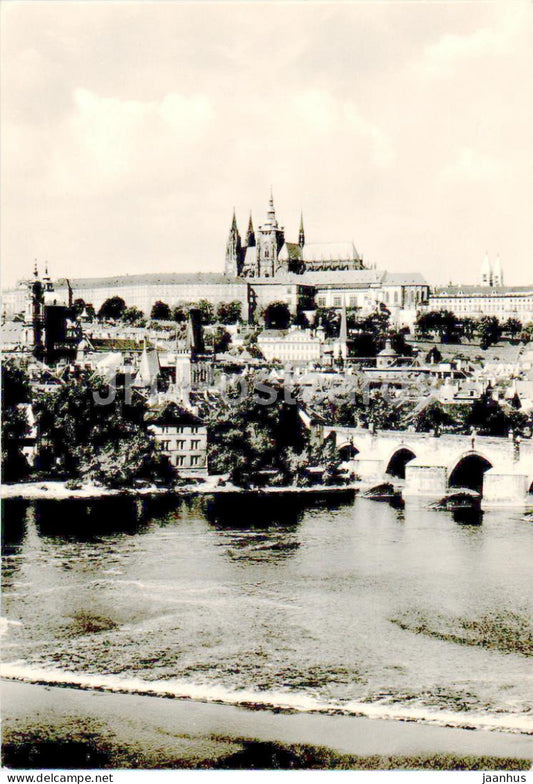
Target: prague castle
267, 254
263, 266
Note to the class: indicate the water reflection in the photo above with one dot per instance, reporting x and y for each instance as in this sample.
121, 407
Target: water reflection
468, 516
312, 596
262, 510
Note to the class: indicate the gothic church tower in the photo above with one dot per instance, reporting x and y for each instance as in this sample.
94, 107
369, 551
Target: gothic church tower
270, 240
233, 263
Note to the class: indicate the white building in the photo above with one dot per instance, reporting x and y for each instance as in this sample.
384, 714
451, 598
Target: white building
475, 301
293, 345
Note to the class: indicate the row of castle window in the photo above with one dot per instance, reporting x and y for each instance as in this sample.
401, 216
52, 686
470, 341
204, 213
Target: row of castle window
165, 444
179, 429
195, 460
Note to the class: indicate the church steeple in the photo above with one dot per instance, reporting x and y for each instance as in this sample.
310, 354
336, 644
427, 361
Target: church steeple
271, 213
233, 250
301, 235
250, 234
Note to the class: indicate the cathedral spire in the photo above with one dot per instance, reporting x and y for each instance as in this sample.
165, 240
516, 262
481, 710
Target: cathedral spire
233, 249
301, 235
250, 234
271, 214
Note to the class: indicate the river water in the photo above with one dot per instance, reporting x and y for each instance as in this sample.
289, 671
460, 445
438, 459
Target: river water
335, 605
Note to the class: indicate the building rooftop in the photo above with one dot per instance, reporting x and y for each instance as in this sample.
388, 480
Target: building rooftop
495, 291
151, 279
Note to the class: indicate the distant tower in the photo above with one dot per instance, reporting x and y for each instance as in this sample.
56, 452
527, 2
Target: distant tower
301, 235
497, 272
270, 241
35, 312
342, 342
250, 234
233, 250
486, 272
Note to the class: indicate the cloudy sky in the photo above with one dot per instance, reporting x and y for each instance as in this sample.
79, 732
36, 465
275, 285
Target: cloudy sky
130, 130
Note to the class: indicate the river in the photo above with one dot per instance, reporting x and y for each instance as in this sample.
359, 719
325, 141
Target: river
337, 605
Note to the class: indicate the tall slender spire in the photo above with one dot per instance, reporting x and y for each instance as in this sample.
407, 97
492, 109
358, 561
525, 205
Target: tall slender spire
233, 249
271, 214
301, 235
250, 234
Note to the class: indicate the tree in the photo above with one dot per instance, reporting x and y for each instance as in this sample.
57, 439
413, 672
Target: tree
443, 323
487, 416
221, 340
84, 412
207, 312
433, 418
134, 316
120, 464
78, 306
277, 316
489, 331
229, 312
329, 320
160, 311
15, 426
512, 327
468, 326
247, 437
112, 308
180, 314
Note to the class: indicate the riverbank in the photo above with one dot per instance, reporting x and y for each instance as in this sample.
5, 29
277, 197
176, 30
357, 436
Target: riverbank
59, 491
50, 726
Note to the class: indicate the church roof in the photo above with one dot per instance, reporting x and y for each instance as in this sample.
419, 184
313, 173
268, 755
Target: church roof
342, 278
404, 279
330, 251
291, 251
250, 255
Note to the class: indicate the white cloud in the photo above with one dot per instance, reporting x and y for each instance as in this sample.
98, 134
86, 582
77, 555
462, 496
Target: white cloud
473, 166
325, 115
443, 57
106, 140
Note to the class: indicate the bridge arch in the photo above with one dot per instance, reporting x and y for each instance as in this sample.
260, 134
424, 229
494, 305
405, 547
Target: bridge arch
468, 470
395, 465
347, 450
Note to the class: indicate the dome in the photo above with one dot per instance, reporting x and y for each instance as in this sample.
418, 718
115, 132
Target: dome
388, 351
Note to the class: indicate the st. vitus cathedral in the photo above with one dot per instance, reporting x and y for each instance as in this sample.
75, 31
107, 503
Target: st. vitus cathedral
266, 254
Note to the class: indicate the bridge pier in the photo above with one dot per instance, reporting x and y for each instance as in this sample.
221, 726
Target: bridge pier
425, 480
369, 467
505, 487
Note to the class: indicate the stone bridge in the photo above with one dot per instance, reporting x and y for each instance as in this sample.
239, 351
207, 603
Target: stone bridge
499, 468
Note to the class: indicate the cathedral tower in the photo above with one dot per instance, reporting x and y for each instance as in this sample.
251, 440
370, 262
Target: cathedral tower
486, 272
271, 239
497, 272
233, 263
250, 234
301, 233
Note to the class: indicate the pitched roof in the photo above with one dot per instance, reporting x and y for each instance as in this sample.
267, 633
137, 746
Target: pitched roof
329, 279
150, 279
487, 291
169, 413
330, 251
404, 278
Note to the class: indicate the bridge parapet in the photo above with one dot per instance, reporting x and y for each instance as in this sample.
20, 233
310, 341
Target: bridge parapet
427, 462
